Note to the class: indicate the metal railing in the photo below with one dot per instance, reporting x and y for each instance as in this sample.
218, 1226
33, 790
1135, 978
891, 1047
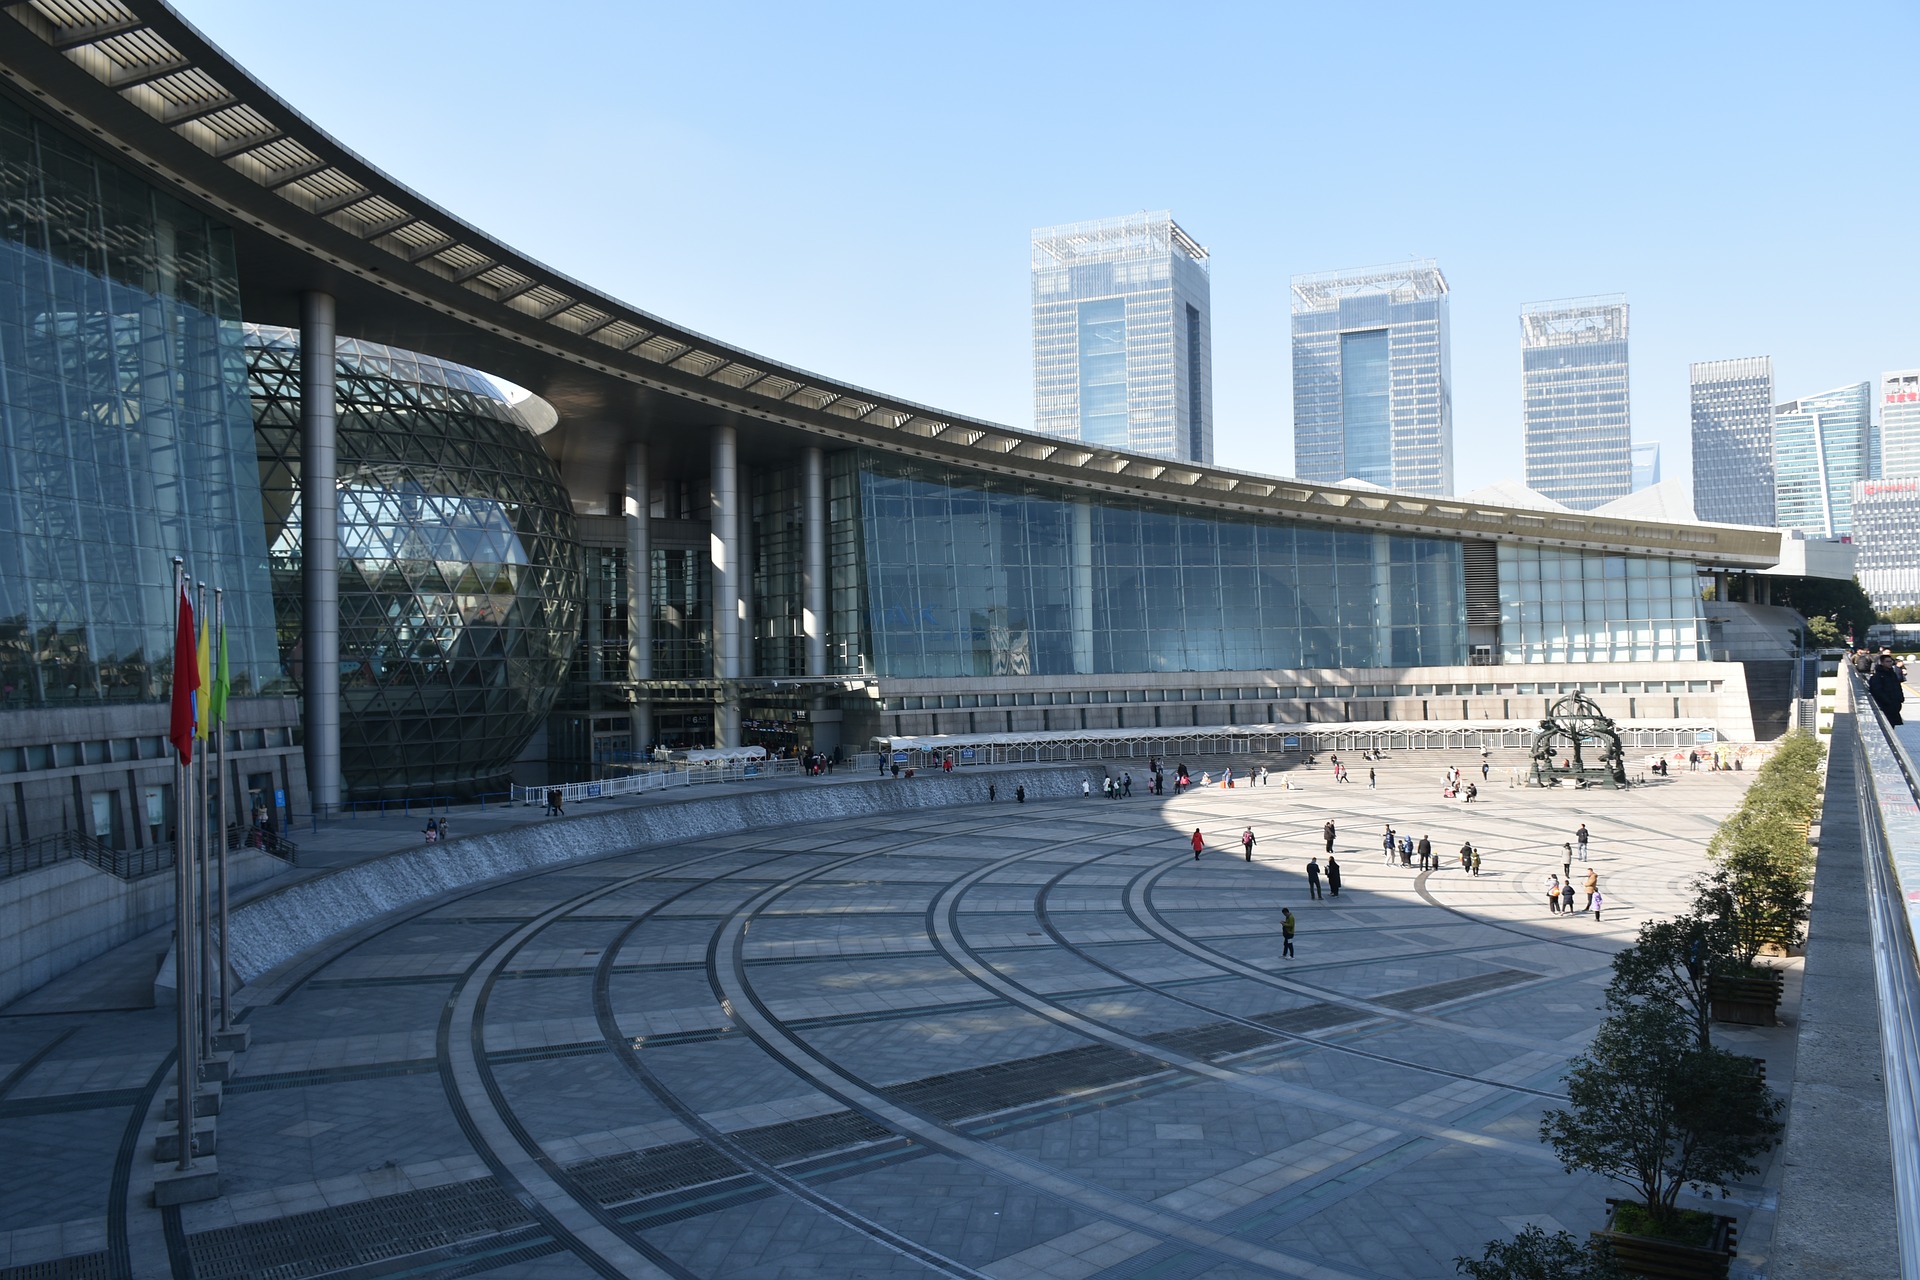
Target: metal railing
1890, 829
271, 842
656, 779
65, 846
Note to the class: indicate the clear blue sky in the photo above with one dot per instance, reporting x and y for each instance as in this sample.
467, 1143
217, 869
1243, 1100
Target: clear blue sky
850, 188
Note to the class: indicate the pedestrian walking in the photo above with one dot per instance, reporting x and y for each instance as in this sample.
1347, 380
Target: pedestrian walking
993, 793
1313, 878
1426, 852
1086, 788
1329, 833
1286, 933
1553, 892
1198, 844
1485, 769
1580, 838
1566, 895
1373, 780
1886, 688
1597, 904
1333, 876
1246, 842
1126, 784
1475, 855
1387, 843
1466, 858
1020, 795
1406, 851
1592, 887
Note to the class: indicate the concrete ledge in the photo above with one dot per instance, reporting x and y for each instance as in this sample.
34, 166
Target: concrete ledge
175, 1186
270, 930
1837, 1218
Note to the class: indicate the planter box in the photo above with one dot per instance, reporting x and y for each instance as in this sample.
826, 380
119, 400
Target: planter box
1657, 1259
1751, 999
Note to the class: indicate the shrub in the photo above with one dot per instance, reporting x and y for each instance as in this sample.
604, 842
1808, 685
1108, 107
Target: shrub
1535, 1255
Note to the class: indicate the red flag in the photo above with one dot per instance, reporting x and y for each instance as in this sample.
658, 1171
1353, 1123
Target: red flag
186, 682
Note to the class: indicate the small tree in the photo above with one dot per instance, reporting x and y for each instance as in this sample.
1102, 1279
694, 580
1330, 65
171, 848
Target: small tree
1654, 1111
1535, 1255
1758, 893
1672, 964
1825, 632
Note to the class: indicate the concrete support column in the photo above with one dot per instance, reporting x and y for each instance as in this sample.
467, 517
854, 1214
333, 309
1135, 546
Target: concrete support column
743, 485
638, 508
723, 504
319, 551
1080, 612
813, 582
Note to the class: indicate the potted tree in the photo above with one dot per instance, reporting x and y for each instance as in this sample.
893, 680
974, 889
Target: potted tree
1535, 1255
1673, 963
1757, 894
1655, 1110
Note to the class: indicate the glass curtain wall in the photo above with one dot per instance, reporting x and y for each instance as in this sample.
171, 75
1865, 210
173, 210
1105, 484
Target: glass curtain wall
124, 433
1583, 606
968, 575
778, 536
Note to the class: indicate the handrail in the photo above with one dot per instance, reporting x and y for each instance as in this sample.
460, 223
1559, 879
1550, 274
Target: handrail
66, 846
654, 780
1890, 829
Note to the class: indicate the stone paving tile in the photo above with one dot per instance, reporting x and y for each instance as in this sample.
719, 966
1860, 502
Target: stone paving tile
1367, 1182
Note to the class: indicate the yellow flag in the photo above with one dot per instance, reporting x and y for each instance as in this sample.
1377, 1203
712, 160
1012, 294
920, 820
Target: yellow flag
206, 681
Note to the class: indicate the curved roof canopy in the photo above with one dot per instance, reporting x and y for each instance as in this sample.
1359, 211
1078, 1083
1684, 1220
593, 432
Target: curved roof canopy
309, 214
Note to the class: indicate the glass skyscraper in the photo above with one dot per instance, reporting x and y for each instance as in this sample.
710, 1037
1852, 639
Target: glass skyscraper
1372, 382
1573, 400
1900, 423
1732, 410
1886, 539
1820, 451
1122, 336
1646, 464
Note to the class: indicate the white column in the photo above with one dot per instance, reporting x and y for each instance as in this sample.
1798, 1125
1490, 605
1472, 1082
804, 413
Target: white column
639, 513
319, 551
723, 501
813, 589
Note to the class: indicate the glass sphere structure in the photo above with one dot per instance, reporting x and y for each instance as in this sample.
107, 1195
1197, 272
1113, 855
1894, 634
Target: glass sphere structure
460, 578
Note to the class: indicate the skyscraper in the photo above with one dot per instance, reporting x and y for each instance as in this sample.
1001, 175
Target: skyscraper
1646, 464
1573, 400
1123, 336
1372, 382
1820, 451
1733, 440
1900, 423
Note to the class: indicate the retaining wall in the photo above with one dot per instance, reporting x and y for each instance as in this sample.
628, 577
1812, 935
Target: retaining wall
57, 918
273, 929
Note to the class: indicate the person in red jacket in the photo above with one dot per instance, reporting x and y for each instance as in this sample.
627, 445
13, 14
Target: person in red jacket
1198, 844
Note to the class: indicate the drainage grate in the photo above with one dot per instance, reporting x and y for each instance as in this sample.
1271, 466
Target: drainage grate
982, 1090
1213, 1041
631, 1175
85, 1266
1311, 1017
1458, 989
357, 1234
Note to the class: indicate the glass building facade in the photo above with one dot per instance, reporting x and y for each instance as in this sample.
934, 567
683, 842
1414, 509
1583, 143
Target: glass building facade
968, 575
1583, 606
460, 568
1574, 400
1821, 449
1122, 336
124, 432
1732, 411
1372, 378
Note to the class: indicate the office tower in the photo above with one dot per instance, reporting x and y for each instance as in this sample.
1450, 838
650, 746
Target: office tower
1372, 382
1733, 440
1573, 400
1646, 464
1820, 451
1123, 336
1900, 423
1886, 539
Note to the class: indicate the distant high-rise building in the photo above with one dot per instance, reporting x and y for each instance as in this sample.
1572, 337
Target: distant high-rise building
1646, 464
1733, 440
1372, 382
1900, 423
1820, 451
1886, 540
1123, 336
1573, 400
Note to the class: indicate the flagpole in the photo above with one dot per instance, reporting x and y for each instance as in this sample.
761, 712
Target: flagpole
202, 856
220, 771
187, 1042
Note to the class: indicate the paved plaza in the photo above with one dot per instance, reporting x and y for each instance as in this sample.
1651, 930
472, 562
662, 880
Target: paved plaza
997, 1040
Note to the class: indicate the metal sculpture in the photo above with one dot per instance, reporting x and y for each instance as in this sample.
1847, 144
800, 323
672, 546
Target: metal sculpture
1588, 733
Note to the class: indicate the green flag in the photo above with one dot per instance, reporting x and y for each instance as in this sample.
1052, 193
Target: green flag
217, 700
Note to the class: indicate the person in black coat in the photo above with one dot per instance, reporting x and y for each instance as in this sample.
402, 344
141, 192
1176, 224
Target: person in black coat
1333, 876
1885, 687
